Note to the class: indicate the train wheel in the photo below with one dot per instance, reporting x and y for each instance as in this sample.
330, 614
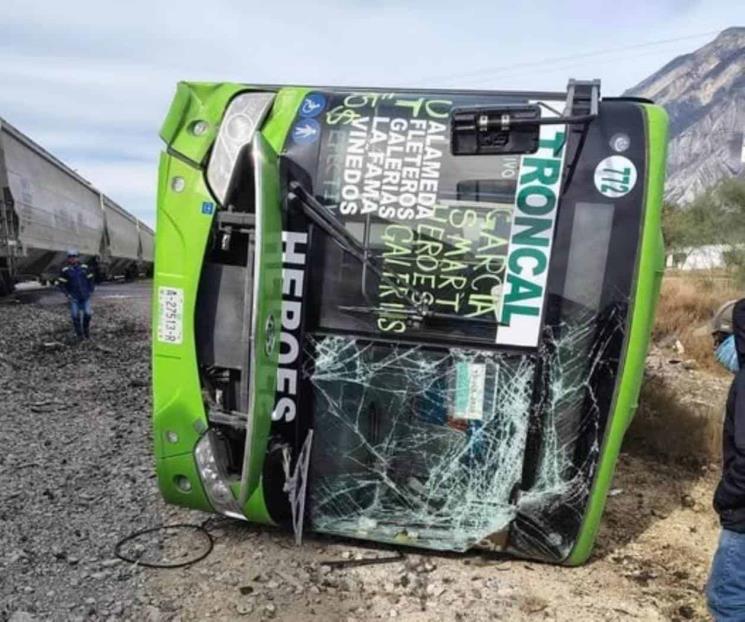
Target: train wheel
7, 286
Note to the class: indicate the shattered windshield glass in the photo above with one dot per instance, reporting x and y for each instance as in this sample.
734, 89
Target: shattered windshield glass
427, 448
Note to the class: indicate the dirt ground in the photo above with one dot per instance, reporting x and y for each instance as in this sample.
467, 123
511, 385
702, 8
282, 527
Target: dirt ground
77, 475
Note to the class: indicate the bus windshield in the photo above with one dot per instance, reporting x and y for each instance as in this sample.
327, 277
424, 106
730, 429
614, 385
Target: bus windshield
448, 433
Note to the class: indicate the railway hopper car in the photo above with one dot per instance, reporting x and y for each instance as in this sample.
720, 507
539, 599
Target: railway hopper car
147, 249
47, 208
121, 249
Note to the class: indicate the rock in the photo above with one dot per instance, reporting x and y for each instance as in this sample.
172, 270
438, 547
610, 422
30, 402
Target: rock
21, 616
435, 589
506, 592
533, 604
687, 501
52, 345
19, 555
708, 76
686, 612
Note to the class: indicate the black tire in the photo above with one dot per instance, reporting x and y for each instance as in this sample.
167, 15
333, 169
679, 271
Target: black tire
130, 274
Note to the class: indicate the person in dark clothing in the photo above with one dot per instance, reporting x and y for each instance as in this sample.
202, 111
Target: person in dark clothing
725, 590
77, 283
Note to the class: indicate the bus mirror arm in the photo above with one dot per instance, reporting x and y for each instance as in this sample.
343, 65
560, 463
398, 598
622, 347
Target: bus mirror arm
514, 128
323, 218
582, 106
561, 120
418, 310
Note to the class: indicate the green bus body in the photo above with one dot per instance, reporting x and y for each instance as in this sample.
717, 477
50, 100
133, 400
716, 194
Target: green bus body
187, 226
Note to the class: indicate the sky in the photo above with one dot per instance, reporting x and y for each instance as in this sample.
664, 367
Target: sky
91, 80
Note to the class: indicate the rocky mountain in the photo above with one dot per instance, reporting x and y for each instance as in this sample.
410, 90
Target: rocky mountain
704, 94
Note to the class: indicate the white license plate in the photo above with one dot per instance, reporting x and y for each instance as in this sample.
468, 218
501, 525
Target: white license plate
170, 315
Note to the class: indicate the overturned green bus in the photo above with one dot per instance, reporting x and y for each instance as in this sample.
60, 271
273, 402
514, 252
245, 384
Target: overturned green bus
416, 317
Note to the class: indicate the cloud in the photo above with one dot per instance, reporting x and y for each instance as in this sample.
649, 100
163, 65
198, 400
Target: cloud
92, 80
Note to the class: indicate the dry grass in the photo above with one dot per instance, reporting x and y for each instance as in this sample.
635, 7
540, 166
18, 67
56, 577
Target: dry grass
680, 411
687, 303
673, 425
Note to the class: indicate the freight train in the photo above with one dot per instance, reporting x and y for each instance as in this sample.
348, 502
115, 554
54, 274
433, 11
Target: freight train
47, 208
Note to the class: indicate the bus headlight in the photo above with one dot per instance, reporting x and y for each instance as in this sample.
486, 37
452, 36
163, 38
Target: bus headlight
217, 489
241, 121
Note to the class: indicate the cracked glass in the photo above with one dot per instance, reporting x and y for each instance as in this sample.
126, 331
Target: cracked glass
427, 447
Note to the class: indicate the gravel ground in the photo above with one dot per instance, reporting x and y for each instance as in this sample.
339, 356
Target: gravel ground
77, 476
76, 462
